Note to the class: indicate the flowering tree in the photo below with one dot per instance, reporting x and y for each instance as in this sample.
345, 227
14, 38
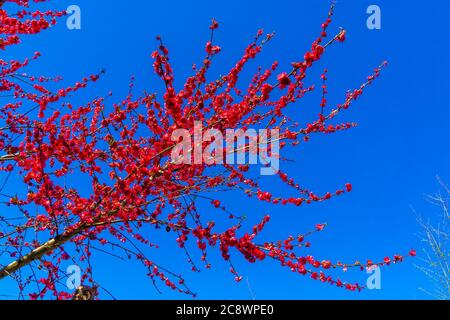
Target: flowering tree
120, 154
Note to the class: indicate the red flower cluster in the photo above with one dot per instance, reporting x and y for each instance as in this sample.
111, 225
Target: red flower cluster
24, 22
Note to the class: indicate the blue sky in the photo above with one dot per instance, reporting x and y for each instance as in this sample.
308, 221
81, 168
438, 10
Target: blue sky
392, 158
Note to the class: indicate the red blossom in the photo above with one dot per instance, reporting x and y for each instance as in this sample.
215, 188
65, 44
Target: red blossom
283, 80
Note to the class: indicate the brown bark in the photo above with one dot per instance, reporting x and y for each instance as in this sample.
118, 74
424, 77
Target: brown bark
56, 242
39, 252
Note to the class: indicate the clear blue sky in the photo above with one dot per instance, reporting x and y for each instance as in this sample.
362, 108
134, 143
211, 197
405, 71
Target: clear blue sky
391, 158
